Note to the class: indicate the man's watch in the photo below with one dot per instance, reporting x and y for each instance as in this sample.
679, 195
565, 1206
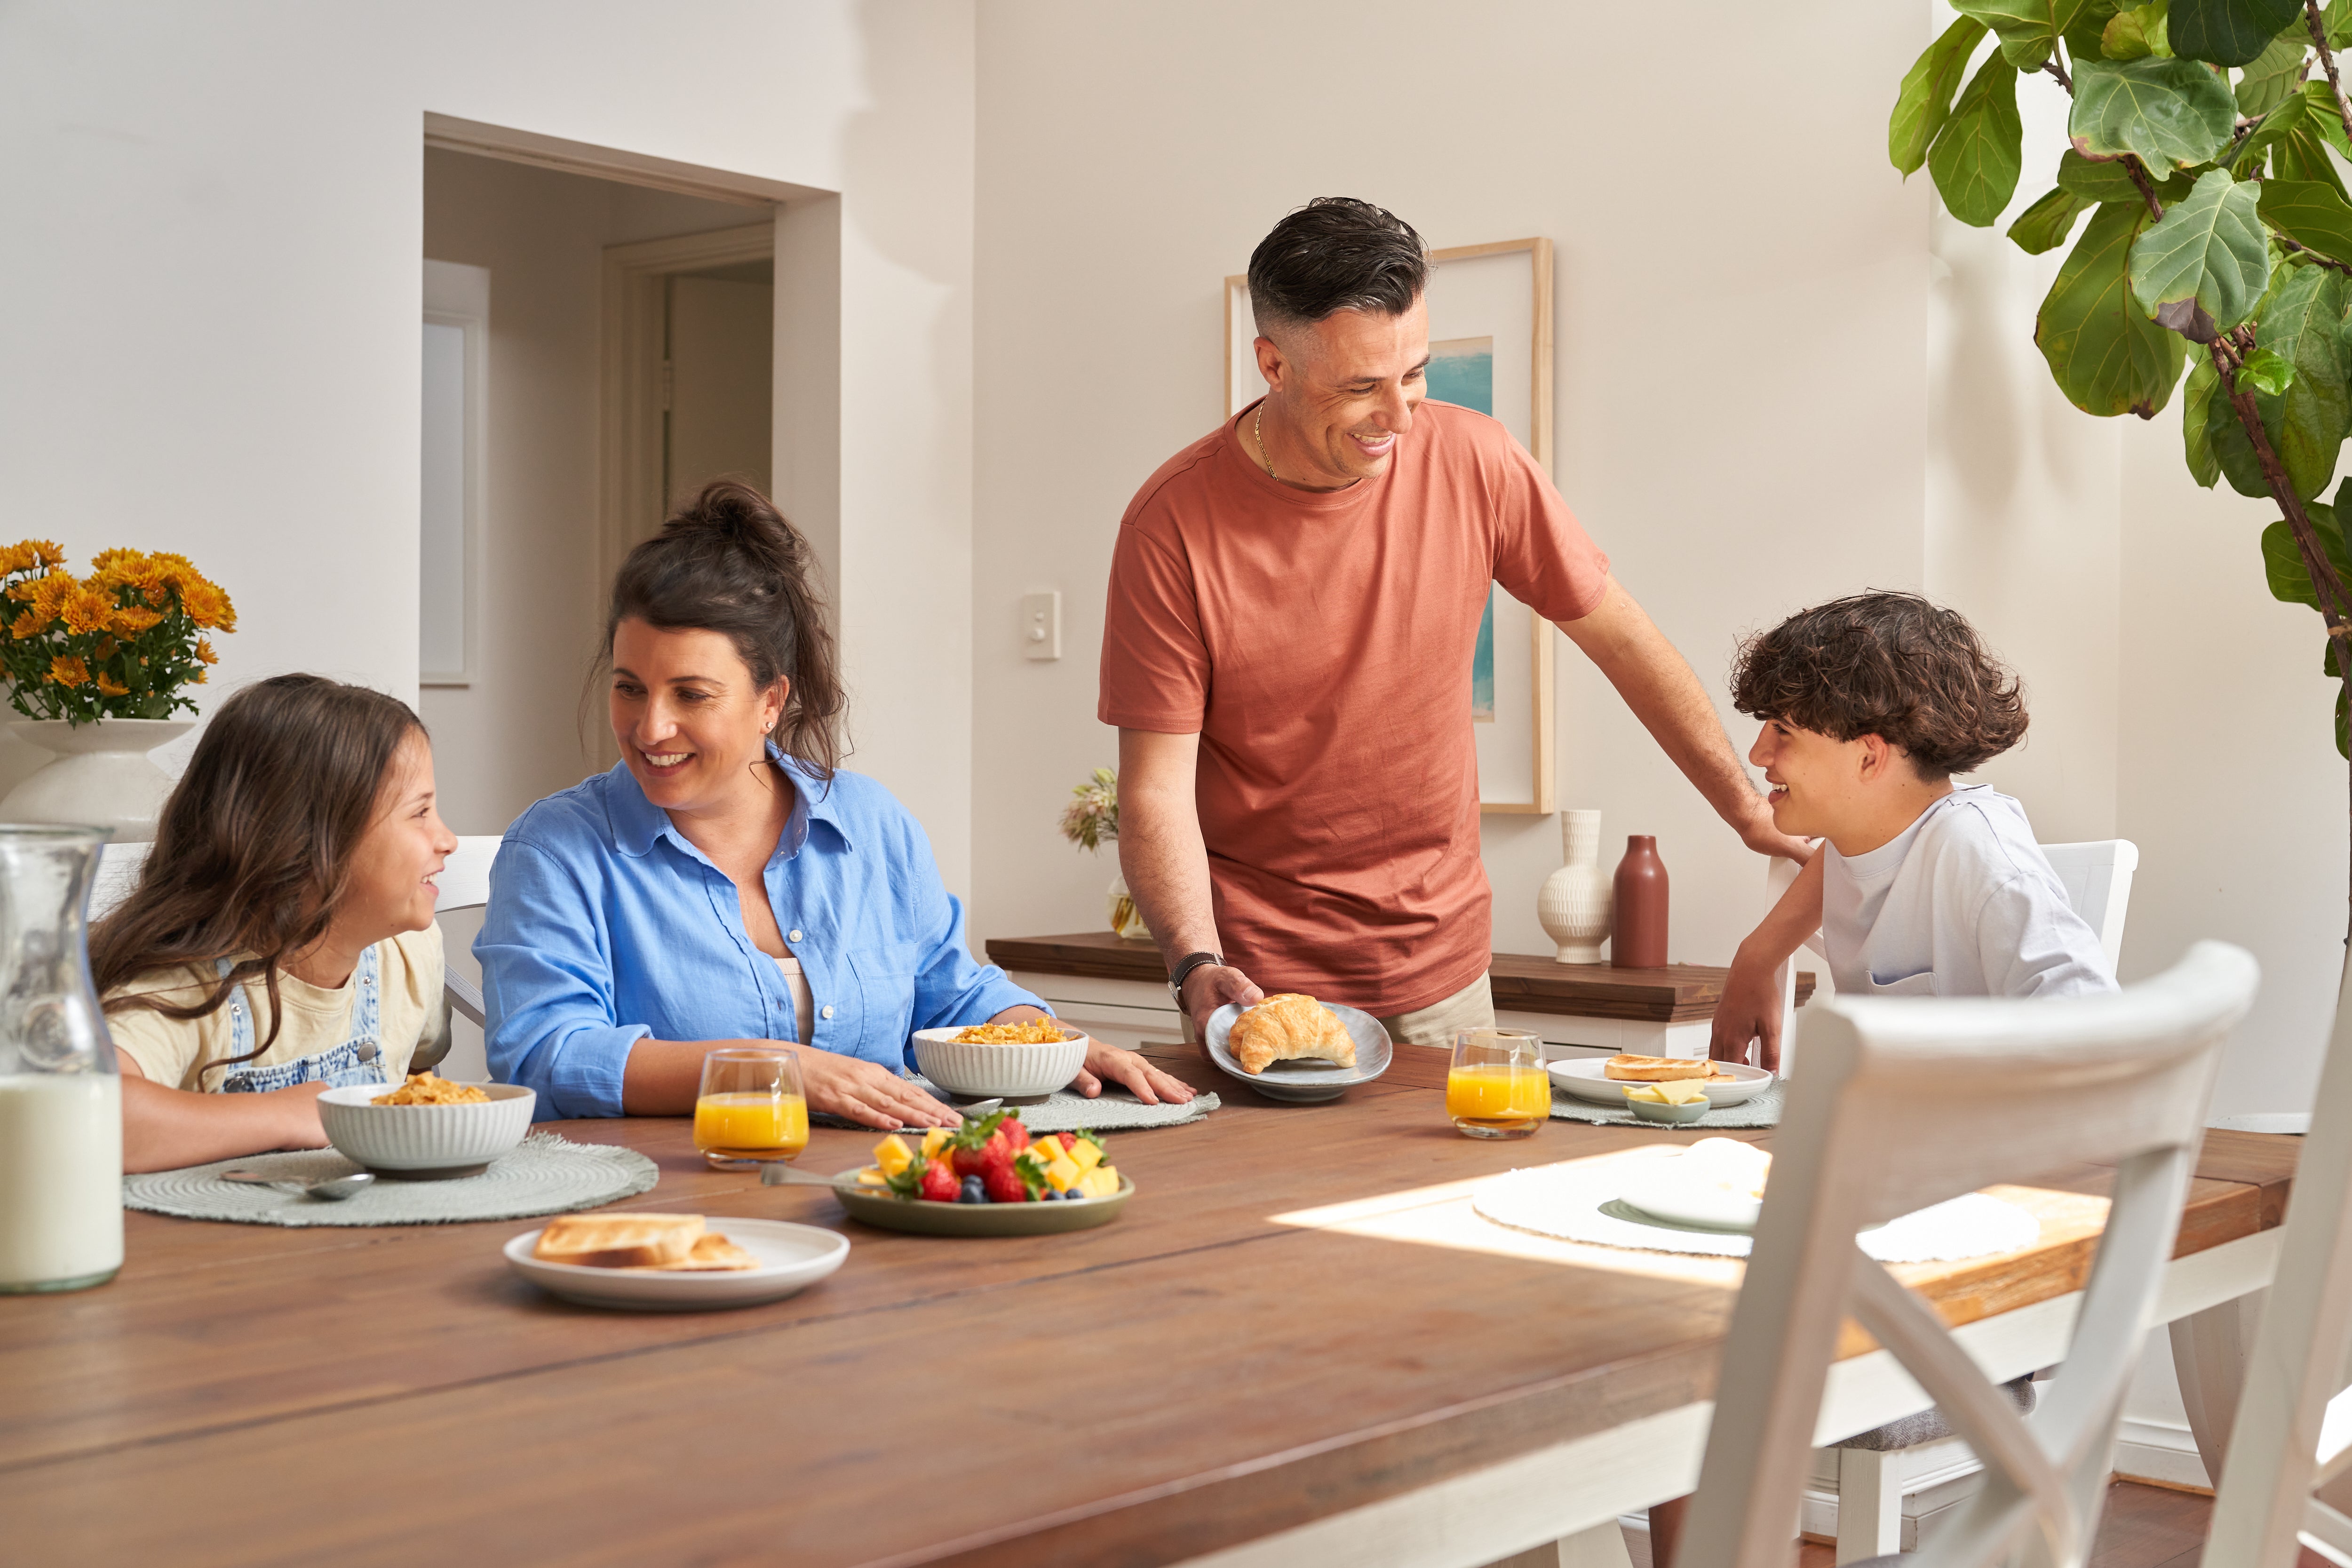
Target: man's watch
1184, 966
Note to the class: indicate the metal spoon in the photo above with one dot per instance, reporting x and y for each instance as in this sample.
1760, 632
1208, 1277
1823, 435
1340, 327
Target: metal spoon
334, 1189
776, 1173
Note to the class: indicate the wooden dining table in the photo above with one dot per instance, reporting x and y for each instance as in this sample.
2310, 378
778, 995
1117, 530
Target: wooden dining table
1299, 1344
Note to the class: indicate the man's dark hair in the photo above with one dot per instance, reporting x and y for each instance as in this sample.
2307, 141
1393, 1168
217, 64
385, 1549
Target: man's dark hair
1336, 253
1890, 665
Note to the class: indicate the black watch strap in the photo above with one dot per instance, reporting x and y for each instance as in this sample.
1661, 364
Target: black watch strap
1184, 967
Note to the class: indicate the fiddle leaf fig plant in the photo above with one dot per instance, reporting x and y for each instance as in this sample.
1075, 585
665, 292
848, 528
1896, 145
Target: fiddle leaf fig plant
2208, 226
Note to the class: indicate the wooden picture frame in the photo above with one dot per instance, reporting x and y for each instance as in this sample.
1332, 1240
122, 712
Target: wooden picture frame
1501, 293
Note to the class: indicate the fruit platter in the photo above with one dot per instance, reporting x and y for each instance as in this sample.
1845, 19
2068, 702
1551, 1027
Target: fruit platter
989, 1177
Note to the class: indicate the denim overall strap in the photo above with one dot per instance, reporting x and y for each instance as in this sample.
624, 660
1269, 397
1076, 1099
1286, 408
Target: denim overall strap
357, 1060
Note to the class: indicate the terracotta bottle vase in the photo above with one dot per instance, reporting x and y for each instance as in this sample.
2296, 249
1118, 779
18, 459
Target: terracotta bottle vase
1638, 932
1573, 904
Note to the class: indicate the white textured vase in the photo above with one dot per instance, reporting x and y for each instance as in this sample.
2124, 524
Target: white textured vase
1574, 903
101, 777
1126, 920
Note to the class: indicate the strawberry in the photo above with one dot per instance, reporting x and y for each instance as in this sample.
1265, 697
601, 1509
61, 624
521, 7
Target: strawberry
1004, 1184
1015, 1134
939, 1182
973, 1159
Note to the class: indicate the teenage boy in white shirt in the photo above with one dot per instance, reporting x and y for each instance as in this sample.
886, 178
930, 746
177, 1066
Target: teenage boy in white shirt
1921, 888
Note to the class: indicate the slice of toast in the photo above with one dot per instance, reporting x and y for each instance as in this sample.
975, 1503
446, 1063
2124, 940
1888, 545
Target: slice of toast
1627, 1068
712, 1254
618, 1240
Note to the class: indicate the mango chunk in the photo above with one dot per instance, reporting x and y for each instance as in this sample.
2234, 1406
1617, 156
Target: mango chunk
1102, 1181
1062, 1174
934, 1140
892, 1155
1086, 1153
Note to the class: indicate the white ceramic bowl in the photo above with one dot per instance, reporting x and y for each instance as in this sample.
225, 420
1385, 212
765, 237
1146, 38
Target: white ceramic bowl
1011, 1071
424, 1142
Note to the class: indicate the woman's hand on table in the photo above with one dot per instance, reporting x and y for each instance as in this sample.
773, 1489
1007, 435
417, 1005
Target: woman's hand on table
864, 1092
1133, 1072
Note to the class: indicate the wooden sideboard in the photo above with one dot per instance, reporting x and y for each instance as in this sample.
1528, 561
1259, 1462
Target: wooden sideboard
1119, 990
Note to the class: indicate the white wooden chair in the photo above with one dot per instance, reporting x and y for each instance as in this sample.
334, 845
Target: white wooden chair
2289, 1470
2096, 873
1904, 1104
463, 884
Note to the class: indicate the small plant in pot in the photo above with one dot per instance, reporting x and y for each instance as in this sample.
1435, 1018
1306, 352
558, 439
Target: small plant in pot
98, 666
1090, 821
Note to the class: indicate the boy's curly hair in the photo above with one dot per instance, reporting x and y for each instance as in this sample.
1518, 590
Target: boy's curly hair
1891, 665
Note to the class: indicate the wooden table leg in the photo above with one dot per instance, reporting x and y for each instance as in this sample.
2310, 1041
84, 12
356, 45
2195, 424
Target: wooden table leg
2208, 1357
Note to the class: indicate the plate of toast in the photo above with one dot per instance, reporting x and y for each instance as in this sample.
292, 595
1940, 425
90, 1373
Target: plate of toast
674, 1262
1291, 1047
1604, 1081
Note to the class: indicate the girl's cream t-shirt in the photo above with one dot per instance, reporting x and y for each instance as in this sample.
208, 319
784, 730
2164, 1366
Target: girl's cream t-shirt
174, 1052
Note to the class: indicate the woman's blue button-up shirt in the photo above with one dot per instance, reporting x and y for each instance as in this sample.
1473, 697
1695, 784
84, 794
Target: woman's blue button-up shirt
606, 927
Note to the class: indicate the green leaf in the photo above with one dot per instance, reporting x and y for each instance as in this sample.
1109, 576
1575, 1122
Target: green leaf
1977, 155
2290, 581
2270, 78
2204, 266
2266, 372
2109, 180
1927, 96
2311, 214
2167, 111
2338, 22
2287, 115
2105, 353
2303, 323
2082, 37
2234, 452
2319, 100
2227, 32
2195, 410
2045, 225
2135, 34
2343, 728
2027, 27
2301, 154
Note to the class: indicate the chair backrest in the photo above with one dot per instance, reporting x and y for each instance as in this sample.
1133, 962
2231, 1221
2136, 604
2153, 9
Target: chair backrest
465, 880
2285, 1443
2097, 874
1907, 1102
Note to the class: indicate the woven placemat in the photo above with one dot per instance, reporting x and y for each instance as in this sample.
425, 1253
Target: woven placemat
1759, 1109
1584, 1202
543, 1175
1114, 1110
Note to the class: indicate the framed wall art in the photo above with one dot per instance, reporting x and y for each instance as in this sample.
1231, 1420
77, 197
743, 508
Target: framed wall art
1490, 313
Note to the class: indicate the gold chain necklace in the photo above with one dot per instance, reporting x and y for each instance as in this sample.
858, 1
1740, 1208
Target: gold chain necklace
1257, 434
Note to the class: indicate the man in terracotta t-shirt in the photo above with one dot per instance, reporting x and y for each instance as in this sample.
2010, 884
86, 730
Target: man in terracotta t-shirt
1293, 599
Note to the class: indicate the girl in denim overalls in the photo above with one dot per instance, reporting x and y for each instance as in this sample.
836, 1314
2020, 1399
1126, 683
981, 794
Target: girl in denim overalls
281, 940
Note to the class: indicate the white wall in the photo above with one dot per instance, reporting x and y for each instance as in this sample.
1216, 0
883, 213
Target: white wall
214, 223
1740, 369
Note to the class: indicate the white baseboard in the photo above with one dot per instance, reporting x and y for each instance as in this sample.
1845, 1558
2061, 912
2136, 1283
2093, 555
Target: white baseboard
2294, 1121
2158, 1452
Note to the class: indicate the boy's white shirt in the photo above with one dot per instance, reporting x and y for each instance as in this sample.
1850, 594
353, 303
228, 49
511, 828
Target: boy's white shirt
1960, 903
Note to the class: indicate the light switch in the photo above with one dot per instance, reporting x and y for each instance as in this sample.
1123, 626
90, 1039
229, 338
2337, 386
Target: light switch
1041, 624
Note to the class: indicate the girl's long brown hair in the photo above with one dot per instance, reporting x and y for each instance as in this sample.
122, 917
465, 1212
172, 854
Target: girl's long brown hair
253, 852
728, 562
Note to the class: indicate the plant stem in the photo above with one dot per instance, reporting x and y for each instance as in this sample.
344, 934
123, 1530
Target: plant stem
2327, 587
2328, 62
2138, 173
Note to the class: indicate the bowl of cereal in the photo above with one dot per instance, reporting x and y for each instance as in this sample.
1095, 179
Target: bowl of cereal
1027, 1060
427, 1129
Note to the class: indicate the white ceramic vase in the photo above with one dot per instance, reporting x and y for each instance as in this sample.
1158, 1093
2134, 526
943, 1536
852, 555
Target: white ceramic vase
1126, 920
101, 777
1574, 903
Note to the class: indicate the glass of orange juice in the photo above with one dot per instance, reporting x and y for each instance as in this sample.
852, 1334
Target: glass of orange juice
750, 1108
1497, 1086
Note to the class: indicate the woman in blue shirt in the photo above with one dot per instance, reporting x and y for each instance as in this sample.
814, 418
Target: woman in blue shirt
725, 883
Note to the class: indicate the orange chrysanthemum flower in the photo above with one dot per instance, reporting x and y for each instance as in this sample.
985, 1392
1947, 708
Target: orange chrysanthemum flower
110, 686
28, 624
205, 654
87, 610
131, 620
67, 669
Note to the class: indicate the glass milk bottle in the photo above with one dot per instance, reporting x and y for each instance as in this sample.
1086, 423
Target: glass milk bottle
60, 1098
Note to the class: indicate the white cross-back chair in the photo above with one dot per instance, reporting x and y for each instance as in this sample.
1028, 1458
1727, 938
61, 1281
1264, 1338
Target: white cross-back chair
2289, 1470
463, 884
2096, 873
1905, 1103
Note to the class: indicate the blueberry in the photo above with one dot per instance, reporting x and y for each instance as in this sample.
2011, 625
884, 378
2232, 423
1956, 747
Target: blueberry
974, 1191
1048, 1195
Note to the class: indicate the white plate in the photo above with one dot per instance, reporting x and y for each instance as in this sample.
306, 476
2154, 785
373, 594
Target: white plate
792, 1259
1306, 1082
1662, 1196
1583, 1077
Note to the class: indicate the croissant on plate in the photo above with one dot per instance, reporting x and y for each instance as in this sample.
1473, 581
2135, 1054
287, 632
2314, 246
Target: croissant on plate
1289, 1027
